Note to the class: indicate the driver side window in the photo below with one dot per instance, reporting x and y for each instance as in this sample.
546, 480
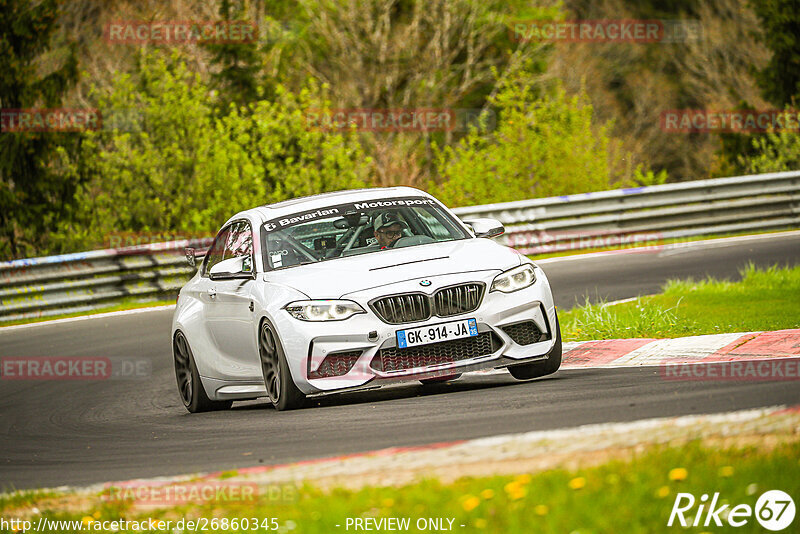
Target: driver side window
233, 241
240, 243
216, 253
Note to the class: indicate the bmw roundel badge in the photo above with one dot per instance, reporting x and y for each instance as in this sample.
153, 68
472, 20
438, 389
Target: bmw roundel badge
425, 283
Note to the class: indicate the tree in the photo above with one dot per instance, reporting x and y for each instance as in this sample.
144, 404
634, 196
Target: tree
780, 84
237, 62
780, 20
185, 169
401, 54
33, 192
543, 146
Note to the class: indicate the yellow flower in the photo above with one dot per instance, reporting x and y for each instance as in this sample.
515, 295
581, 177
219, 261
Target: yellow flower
541, 509
726, 471
523, 479
515, 490
678, 473
387, 503
662, 492
96, 515
87, 519
480, 523
517, 495
577, 483
487, 494
470, 503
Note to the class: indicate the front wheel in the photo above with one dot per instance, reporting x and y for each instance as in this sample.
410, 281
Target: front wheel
190, 387
528, 371
281, 390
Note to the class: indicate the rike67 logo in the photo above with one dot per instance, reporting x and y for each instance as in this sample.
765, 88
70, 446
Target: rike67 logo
774, 510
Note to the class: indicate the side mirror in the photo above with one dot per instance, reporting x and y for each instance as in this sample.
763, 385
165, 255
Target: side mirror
486, 227
190, 257
232, 268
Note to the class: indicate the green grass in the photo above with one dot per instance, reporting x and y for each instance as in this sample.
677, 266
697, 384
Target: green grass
763, 300
631, 496
22, 498
127, 304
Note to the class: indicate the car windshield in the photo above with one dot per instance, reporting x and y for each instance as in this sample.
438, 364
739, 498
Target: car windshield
356, 228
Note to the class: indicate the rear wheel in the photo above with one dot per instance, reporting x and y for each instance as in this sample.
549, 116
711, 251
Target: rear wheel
190, 388
281, 390
527, 371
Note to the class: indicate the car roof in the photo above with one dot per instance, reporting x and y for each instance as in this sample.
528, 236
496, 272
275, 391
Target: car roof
295, 205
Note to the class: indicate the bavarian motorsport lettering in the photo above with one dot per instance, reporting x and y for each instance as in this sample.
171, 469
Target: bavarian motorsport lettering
297, 218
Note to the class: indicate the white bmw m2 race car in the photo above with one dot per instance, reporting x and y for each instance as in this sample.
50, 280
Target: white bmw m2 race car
353, 290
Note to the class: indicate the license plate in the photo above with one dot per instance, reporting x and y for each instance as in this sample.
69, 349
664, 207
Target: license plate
436, 333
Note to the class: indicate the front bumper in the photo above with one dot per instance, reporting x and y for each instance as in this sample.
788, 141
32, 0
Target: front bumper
361, 338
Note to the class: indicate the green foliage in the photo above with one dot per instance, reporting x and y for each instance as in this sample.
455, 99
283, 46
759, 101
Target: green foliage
775, 151
187, 170
648, 177
780, 84
780, 19
33, 192
543, 146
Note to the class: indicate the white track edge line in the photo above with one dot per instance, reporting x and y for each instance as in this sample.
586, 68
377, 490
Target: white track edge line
702, 243
103, 315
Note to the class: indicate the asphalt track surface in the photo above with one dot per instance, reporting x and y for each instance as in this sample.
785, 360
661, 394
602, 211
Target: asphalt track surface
76, 433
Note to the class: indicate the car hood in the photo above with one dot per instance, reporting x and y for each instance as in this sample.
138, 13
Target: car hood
334, 278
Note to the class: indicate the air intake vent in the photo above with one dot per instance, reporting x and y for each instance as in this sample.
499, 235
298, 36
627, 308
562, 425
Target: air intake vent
394, 359
336, 364
525, 333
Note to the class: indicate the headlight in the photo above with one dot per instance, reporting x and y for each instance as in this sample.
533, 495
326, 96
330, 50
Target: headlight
515, 279
323, 310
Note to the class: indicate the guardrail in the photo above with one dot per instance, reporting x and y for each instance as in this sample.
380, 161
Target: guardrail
73, 283
85, 281
643, 214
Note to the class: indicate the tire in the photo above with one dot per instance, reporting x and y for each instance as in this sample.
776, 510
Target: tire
528, 371
190, 388
281, 389
441, 379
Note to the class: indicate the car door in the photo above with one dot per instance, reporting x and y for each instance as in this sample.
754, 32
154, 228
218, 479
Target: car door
229, 315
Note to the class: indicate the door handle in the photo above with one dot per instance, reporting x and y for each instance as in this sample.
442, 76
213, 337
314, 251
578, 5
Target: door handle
212, 293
